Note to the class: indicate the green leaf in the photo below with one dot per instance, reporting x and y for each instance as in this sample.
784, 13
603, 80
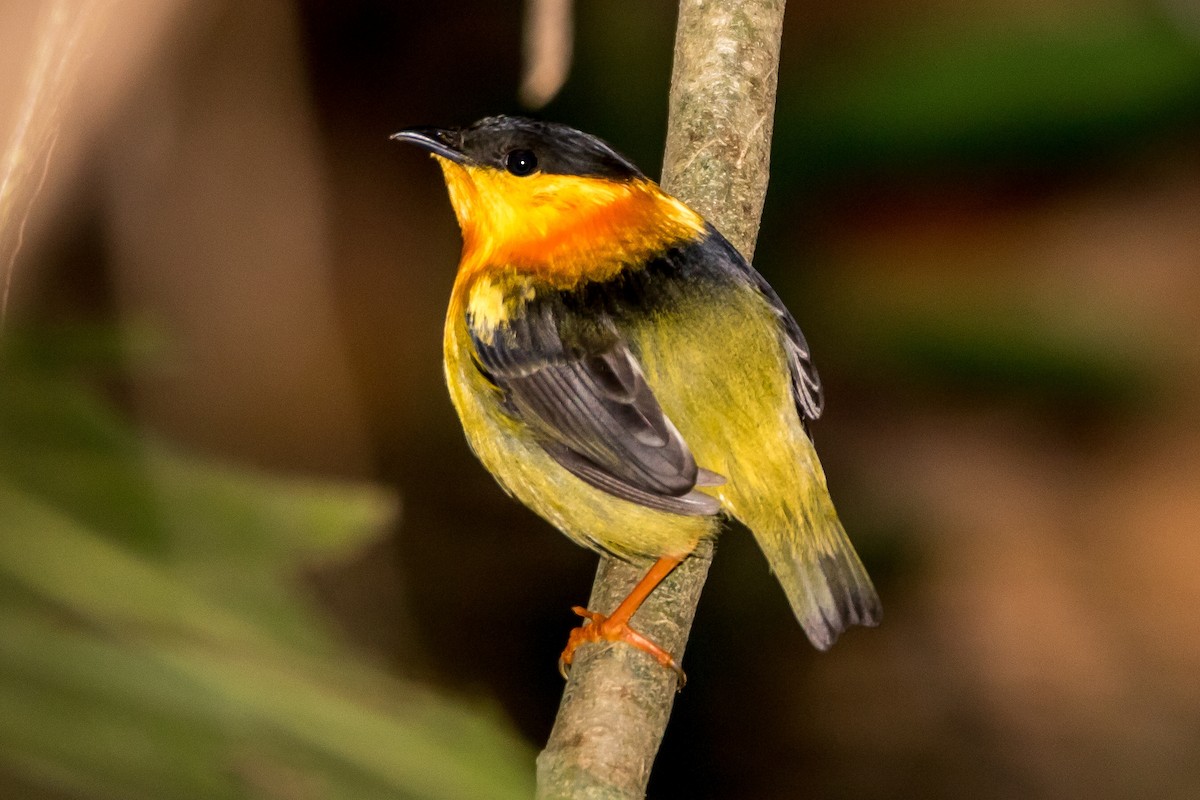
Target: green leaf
154, 642
962, 93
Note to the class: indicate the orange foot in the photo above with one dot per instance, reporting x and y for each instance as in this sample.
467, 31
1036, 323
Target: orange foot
600, 628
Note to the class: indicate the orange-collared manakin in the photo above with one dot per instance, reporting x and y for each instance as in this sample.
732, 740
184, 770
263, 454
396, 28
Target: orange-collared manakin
621, 370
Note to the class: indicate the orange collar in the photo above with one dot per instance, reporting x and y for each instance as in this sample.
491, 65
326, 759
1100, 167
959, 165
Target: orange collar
562, 228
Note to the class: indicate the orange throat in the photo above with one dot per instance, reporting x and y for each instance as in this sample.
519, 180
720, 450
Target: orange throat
562, 229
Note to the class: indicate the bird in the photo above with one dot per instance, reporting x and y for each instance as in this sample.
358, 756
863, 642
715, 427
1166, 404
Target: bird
624, 372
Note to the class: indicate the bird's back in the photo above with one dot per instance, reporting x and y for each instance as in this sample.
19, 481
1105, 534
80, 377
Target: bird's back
721, 360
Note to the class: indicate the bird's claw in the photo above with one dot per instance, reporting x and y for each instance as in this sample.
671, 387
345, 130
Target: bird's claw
599, 628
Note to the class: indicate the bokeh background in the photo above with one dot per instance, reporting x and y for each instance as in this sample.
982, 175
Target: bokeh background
245, 552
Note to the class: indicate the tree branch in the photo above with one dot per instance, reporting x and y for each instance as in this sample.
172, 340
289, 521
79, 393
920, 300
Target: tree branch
616, 703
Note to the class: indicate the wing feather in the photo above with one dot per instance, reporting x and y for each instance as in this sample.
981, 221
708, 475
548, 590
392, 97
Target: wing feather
587, 400
806, 384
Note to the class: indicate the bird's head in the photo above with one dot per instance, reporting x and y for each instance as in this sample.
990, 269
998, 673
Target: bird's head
545, 196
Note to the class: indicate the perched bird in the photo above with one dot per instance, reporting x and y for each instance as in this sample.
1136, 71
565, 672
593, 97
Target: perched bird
621, 370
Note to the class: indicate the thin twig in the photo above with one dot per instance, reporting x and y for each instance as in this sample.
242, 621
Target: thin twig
617, 701
548, 44
55, 65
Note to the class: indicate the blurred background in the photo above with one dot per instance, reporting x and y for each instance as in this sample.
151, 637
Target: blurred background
246, 553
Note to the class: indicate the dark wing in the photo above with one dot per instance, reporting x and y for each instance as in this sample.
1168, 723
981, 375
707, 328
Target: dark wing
587, 401
806, 385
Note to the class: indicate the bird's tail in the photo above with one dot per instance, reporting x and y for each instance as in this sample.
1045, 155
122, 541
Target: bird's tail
825, 582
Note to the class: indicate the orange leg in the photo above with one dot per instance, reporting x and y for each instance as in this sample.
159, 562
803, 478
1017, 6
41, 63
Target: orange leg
615, 626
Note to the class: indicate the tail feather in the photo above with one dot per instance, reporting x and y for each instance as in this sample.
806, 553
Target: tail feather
825, 582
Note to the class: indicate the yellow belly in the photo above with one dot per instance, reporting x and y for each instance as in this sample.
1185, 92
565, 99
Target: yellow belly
508, 450
719, 371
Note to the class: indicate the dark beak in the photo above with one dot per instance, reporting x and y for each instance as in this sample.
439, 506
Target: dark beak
440, 141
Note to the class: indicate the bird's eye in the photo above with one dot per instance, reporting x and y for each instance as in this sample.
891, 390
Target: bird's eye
520, 162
